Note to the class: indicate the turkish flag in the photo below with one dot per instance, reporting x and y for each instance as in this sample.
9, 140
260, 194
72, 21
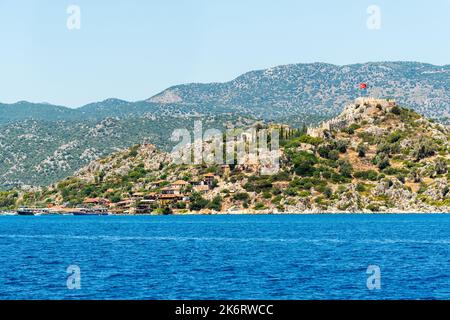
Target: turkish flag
363, 86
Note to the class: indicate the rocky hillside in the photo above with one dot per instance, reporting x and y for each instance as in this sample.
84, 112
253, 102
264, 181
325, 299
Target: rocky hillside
374, 157
41, 152
42, 143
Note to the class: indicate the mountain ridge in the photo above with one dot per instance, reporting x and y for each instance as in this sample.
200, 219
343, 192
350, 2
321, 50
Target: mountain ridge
37, 135
408, 65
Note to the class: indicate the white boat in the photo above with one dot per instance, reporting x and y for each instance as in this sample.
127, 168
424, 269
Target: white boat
40, 212
8, 213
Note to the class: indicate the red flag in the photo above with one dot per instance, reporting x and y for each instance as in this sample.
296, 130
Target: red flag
363, 86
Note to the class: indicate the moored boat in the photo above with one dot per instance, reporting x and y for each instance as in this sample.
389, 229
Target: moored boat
8, 213
39, 212
91, 212
25, 212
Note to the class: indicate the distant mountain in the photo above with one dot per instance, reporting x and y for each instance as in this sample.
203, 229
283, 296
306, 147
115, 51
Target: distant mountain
40, 142
288, 92
24, 110
320, 89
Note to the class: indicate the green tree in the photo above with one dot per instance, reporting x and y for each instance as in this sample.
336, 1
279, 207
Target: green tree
198, 202
361, 149
216, 203
304, 163
345, 169
241, 196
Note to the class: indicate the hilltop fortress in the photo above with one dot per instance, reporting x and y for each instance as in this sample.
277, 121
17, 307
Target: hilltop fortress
362, 108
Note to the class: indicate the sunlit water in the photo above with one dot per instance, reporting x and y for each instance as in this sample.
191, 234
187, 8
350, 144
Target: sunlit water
225, 257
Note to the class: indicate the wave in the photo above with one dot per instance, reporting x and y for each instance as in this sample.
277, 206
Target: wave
225, 239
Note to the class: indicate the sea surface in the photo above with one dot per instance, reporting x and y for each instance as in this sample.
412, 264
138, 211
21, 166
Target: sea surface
225, 257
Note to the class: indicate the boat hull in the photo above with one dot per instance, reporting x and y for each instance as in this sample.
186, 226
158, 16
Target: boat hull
89, 214
25, 213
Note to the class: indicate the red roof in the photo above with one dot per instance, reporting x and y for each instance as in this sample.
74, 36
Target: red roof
180, 183
95, 200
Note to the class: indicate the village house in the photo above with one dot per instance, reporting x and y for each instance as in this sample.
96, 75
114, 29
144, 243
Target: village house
209, 178
201, 188
171, 190
165, 199
151, 196
138, 196
158, 184
145, 206
93, 202
197, 183
124, 206
179, 185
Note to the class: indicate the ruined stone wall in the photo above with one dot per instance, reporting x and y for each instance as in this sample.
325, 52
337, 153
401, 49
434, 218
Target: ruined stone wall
352, 112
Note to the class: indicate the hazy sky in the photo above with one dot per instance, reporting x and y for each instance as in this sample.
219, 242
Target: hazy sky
134, 49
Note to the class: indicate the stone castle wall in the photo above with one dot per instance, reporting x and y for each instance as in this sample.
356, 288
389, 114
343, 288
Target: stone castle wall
361, 108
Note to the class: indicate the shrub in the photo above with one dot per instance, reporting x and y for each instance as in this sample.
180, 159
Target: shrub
371, 175
337, 178
384, 148
277, 199
327, 192
332, 150
319, 200
180, 205
267, 195
383, 163
259, 206
373, 207
367, 137
310, 140
360, 187
198, 202
8, 199
426, 148
216, 203
381, 160
441, 166
304, 163
396, 110
115, 198
258, 184
395, 136
346, 169
133, 152
293, 143
241, 196
361, 149
333, 155
304, 194
341, 146
351, 129
281, 176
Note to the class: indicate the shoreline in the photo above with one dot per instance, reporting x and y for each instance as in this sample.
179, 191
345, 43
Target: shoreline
9, 214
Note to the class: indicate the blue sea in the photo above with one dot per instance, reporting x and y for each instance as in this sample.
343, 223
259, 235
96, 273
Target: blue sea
225, 257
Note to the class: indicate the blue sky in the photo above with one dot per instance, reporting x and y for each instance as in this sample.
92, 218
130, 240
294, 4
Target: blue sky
133, 49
